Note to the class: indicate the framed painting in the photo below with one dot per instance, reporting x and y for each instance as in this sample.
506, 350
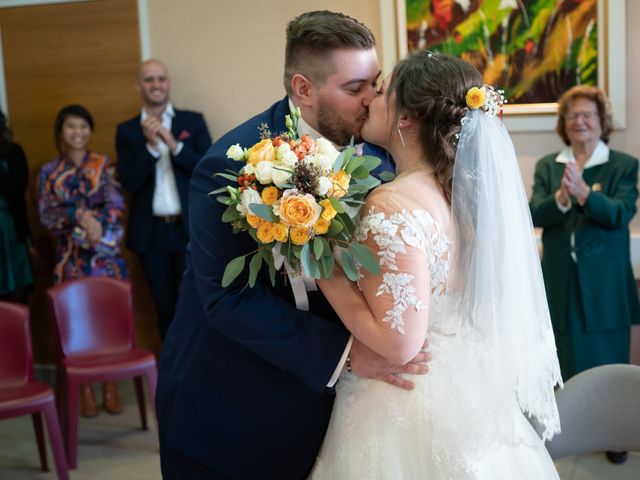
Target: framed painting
533, 49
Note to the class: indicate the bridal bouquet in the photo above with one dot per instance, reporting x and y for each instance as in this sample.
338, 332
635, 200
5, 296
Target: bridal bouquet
293, 196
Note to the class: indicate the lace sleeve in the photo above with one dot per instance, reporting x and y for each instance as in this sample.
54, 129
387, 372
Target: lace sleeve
412, 254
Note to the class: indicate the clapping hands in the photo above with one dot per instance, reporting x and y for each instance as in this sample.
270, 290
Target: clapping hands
154, 131
88, 221
573, 184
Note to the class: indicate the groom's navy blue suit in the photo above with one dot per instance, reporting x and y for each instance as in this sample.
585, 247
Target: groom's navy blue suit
242, 392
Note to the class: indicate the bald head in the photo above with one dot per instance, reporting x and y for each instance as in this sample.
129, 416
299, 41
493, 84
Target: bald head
152, 82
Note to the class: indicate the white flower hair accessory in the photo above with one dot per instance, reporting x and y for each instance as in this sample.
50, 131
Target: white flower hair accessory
486, 98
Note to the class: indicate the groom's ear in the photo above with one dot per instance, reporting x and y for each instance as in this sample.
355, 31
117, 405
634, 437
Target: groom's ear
302, 88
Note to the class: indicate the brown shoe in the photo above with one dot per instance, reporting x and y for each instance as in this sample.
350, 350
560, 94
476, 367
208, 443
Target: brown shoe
88, 406
112, 403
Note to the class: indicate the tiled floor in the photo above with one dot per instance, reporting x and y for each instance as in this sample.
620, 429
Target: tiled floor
114, 448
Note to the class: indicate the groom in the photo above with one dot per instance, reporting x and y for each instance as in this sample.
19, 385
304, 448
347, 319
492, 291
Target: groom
245, 387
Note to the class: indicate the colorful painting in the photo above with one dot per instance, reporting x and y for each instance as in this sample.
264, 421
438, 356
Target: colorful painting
533, 49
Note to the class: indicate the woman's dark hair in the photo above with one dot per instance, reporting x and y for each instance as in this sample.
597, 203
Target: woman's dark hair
5, 134
597, 96
69, 111
314, 36
431, 88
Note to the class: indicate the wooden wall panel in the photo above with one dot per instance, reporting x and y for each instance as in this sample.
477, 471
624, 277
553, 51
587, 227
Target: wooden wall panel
55, 55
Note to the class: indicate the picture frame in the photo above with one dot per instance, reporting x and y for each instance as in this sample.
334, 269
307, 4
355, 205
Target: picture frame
536, 117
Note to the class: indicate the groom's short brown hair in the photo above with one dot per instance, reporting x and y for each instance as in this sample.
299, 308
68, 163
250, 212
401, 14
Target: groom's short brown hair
312, 38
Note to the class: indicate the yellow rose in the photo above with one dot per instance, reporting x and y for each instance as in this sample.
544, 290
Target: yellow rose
280, 232
322, 226
299, 210
328, 212
254, 220
299, 235
270, 195
339, 184
265, 232
262, 151
475, 98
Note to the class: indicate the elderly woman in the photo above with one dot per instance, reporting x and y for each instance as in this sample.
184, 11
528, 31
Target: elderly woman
584, 198
82, 205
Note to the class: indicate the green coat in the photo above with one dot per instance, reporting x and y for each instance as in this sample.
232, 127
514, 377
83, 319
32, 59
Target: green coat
605, 278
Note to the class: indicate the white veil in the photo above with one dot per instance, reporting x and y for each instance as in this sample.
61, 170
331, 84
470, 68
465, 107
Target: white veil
503, 298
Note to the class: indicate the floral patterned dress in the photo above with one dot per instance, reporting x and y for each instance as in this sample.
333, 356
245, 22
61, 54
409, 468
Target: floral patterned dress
64, 189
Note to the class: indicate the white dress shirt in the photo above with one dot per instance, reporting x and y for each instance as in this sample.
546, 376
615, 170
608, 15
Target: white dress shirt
166, 199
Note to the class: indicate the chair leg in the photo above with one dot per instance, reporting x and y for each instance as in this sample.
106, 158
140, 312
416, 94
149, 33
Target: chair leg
152, 380
141, 406
36, 418
57, 443
71, 427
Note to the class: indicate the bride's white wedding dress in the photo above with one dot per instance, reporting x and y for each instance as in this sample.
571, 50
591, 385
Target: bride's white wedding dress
436, 431
493, 353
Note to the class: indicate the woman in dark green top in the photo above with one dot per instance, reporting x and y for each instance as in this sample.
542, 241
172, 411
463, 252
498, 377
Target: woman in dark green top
15, 269
584, 198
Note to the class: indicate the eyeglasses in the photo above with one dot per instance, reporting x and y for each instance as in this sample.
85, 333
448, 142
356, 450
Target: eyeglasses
573, 116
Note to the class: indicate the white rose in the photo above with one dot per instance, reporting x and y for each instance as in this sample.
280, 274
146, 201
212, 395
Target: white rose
249, 196
263, 172
280, 177
325, 147
325, 162
249, 169
324, 184
282, 150
289, 159
235, 152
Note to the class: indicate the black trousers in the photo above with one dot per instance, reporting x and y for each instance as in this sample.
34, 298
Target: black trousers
163, 264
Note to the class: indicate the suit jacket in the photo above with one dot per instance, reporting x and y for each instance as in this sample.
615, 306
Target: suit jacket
243, 373
607, 287
136, 170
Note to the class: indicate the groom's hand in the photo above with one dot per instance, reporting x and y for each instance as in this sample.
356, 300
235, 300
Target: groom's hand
368, 364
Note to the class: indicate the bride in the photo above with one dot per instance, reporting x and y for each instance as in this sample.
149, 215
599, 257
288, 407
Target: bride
459, 268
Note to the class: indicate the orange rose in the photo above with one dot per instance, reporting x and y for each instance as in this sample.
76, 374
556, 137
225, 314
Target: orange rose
254, 220
328, 212
299, 210
322, 226
270, 195
340, 184
262, 151
280, 232
299, 235
265, 232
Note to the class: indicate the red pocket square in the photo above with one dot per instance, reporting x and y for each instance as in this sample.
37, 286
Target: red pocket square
184, 135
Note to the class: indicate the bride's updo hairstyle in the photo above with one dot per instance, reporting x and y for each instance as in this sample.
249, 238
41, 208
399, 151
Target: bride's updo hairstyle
431, 88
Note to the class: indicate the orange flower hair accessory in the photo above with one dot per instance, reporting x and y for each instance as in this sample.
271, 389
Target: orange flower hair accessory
485, 98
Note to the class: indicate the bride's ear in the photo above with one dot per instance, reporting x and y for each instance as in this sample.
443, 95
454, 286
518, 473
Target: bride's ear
405, 122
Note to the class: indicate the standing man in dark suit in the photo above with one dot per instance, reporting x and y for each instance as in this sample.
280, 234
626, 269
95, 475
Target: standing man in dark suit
157, 152
245, 385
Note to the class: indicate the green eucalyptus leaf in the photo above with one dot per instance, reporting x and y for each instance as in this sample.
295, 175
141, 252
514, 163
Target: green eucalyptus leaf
354, 164
232, 270
371, 162
337, 206
360, 173
349, 265
366, 258
263, 211
254, 269
335, 228
227, 176
386, 176
272, 273
318, 247
230, 214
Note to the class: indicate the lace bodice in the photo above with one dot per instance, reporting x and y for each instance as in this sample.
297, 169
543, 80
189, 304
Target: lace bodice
409, 244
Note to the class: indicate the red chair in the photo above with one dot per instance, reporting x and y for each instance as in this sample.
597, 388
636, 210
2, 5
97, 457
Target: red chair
19, 394
93, 319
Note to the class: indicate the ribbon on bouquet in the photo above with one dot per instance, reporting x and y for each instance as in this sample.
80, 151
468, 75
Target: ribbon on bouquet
300, 283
